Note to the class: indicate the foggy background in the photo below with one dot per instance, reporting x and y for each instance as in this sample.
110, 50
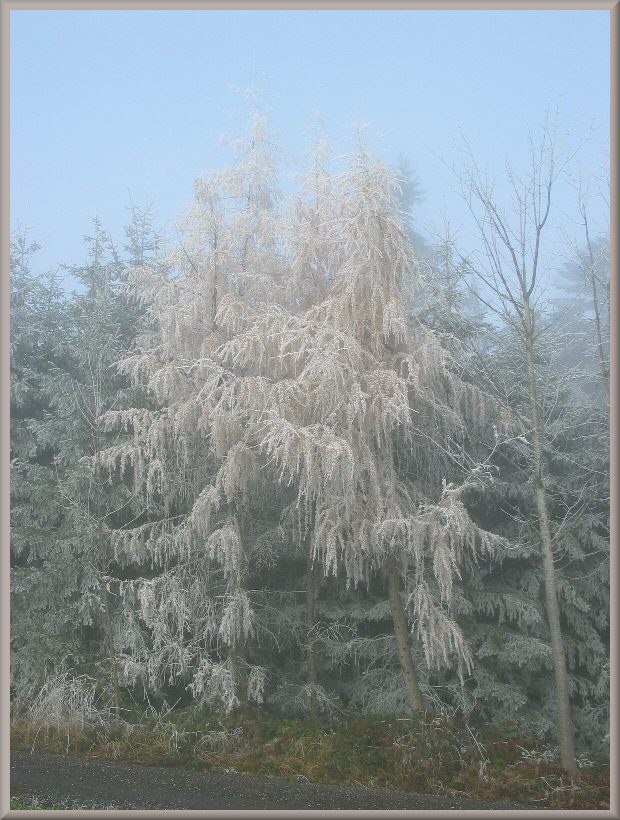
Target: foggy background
109, 107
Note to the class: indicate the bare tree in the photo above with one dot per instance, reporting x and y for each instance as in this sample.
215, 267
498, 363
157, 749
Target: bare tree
593, 267
508, 274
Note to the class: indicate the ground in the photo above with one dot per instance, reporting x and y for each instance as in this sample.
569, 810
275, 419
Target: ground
78, 783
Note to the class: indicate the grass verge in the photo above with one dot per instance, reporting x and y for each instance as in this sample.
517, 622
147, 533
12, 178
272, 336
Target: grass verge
430, 755
33, 804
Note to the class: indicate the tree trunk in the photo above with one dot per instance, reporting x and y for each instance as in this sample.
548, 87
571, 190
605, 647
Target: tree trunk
597, 313
563, 715
105, 582
313, 673
237, 652
110, 642
240, 678
401, 631
599, 339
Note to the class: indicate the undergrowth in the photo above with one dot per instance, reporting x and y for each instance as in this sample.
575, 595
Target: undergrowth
431, 755
32, 804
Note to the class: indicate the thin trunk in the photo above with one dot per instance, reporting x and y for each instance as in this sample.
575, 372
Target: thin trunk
214, 294
599, 339
107, 609
237, 652
401, 631
563, 715
313, 672
105, 584
597, 314
240, 678
111, 648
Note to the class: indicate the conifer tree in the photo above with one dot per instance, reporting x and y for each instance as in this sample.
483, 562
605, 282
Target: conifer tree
65, 586
513, 674
349, 386
45, 637
192, 456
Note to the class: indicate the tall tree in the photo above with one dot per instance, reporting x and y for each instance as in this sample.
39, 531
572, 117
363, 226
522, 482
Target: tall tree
71, 570
510, 271
513, 679
45, 637
351, 394
104, 323
192, 455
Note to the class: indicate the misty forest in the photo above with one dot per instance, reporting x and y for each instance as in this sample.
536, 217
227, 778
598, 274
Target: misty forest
299, 467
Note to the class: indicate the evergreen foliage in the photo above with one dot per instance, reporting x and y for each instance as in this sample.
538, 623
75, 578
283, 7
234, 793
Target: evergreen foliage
287, 461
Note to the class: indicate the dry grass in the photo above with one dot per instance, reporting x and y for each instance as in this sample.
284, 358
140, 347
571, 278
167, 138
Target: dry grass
433, 755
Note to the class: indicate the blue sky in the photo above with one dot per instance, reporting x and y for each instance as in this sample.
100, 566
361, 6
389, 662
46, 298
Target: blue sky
108, 105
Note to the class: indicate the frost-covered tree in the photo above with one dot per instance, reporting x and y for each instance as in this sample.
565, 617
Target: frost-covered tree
64, 586
512, 680
104, 324
349, 399
205, 501
44, 635
290, 422
290, 463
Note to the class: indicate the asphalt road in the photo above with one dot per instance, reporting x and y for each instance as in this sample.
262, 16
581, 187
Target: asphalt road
80, 783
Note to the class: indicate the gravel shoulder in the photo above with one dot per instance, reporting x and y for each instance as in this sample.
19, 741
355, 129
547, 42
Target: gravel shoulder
78, 782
